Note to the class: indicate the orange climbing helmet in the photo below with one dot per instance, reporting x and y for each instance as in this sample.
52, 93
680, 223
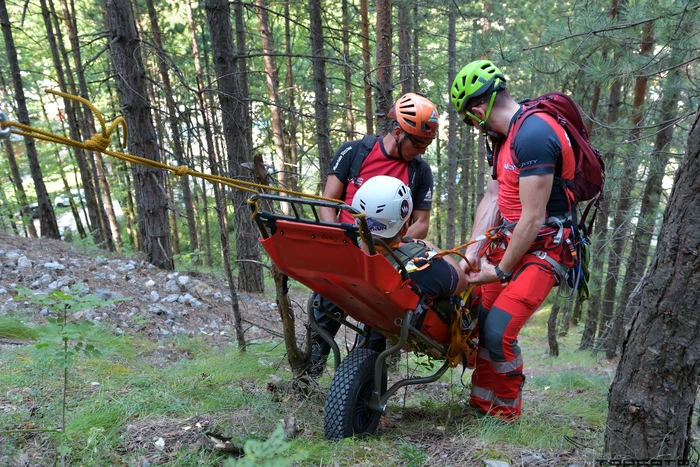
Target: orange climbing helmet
415, 115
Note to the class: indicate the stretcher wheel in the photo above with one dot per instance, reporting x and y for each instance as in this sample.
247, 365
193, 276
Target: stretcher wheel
347, 411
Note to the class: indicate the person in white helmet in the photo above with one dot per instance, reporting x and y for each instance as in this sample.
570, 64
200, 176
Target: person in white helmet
387, 204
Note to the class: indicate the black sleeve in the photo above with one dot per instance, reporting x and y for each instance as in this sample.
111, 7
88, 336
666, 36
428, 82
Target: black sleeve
537, 147
437, 280
423, 193
342, 161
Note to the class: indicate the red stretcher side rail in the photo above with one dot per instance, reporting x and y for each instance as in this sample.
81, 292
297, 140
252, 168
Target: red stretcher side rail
326, 258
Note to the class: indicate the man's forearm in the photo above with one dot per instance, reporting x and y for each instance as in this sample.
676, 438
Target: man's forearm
327, 214
486, 216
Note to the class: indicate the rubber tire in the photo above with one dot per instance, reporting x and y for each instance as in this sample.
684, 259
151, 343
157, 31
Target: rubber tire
347, 411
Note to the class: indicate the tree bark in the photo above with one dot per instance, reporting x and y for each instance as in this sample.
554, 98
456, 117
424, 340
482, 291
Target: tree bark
203, 112
174, 128
366, 66
452, 132
320, 90
47, 217
641, 240
405, 72
150, 197
383, 98
19, 189
218, 18
272, 83
621, 224
601, 230
347, 73
291, 95
552, 328
653, 393
94, 191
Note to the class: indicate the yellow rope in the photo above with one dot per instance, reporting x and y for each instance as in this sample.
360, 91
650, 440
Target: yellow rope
459, 348
100, 141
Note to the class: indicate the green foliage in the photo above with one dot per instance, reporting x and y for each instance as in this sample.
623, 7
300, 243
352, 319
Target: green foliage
269, 453
413, 455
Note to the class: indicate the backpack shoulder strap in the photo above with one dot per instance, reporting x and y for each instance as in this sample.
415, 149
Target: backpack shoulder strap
360, 153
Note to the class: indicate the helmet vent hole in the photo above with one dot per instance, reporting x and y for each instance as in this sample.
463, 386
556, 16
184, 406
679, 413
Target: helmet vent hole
380, 208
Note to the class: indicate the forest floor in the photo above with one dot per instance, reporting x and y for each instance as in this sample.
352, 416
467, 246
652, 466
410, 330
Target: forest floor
168, 383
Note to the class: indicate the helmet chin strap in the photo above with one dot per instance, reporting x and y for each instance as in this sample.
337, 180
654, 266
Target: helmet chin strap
399, 143
482, 123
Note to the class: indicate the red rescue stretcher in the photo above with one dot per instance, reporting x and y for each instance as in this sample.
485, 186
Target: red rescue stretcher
327, 258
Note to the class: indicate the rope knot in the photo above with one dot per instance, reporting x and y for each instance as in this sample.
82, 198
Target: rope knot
181, 170
97, 143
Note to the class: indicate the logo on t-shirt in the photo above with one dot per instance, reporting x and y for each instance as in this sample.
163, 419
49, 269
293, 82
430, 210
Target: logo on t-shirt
428, 195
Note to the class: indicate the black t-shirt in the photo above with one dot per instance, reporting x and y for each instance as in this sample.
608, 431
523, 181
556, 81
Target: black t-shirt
438, 280
346, 166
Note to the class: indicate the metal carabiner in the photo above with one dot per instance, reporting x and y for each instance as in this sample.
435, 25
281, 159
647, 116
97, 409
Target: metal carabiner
4, 132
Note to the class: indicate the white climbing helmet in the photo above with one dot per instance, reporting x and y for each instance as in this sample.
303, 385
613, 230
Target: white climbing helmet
387, 203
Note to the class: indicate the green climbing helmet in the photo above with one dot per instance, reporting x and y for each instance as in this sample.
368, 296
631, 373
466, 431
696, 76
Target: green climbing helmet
474, 80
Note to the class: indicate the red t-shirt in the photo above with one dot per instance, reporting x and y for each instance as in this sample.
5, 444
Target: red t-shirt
377, 162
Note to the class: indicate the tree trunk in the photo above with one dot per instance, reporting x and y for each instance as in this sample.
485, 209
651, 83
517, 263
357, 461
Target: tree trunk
641, 239
152, 207
552, 328
203, 112
298, 360
437, 196
601, 230
272, 83
47, 217
366, 66
621, 223
347, 73
291, 95
174, 127
231, 84
465, 185
93, 191
452, 132
653, 393
219, 19
415, 51
383, 98
405, 78
21, 195
320, 90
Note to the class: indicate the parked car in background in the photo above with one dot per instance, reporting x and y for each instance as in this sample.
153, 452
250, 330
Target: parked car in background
34, 210
61, 201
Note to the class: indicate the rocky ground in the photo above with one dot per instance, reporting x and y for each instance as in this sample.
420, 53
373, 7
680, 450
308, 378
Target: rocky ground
143, 298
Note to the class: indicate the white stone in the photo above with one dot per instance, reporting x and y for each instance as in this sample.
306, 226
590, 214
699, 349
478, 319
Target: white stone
150, 283
154, 296
24, 263
54, 265
183, 280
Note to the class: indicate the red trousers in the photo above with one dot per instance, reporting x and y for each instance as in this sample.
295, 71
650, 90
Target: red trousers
498, 379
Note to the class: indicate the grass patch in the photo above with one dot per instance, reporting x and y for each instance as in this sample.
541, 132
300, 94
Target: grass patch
13, 328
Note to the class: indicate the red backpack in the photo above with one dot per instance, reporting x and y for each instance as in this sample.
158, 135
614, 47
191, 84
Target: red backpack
589, 177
